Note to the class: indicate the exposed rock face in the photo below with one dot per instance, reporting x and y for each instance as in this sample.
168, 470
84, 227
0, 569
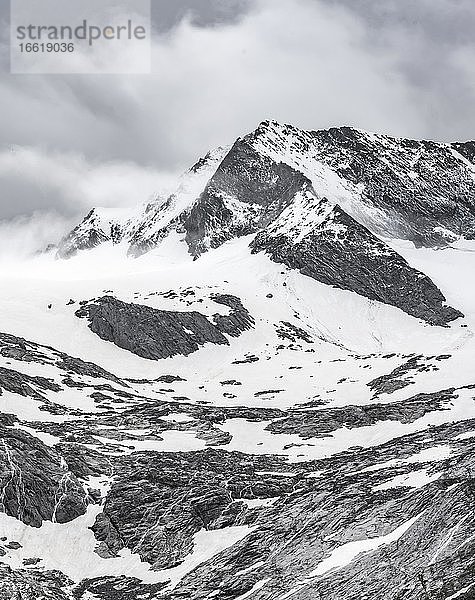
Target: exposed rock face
394, 556
418, 190
398, 378
160, 218
35, 484
81, 367
238, 319
155, 509
117, 588
246, 193
156, 334
340, 252
23, 350
287, 331
25, 385
322, 422
20, 349
31, 585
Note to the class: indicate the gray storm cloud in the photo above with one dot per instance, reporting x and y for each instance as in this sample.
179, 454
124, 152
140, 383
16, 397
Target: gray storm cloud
220, 67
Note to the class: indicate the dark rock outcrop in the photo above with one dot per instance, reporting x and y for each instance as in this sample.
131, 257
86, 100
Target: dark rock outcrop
398, 378
25, 385
237, 321
35, 483
319, 423
116, 588
27, 584
27, 351
246, 193
155, 334
342, 253
159, 501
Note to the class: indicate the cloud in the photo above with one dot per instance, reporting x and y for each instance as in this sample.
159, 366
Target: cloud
22, 237
34, 180
44, 195
294, 61
298, 61
400, 67
430, 43
167, 15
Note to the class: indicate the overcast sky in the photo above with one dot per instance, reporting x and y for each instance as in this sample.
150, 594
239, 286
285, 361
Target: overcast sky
405, 67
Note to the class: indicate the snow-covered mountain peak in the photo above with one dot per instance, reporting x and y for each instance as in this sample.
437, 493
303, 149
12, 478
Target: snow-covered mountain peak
422, 191
153, 227
314, 199
274, 133
142, 227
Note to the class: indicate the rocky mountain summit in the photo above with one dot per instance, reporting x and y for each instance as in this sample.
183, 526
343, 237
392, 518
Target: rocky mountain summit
259, 387
422, 191
331, 198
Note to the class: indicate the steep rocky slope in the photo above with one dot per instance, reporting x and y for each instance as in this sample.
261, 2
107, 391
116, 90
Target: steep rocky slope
422, 191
